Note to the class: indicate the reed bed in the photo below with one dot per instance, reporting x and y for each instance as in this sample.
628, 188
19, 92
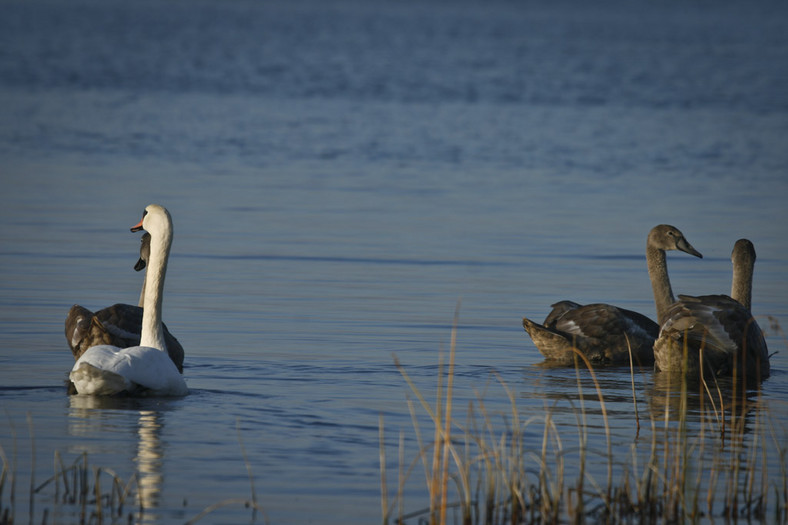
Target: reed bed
90, 494
80, 493
712, 453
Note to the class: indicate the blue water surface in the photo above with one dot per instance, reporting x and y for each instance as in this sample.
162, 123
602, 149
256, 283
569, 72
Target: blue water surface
342, 177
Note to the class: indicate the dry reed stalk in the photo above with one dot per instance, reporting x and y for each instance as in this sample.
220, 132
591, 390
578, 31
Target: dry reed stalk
646, 486
428, 472
731, 504
402, 476
712, 489
751, 472
83, 486
632, 379
488, 461
491, 457
673, 448
447, 430
438, 474
603, 409
492, 460
682, 450
247, 464
419, 441
58, 469
547, 504
705, 385
31, 503
702, 447
4, 473
5, 515
583, 435
436, 449
781, 505
464, 467
516, 471
384, 504
422, 456
97, 493
386, 507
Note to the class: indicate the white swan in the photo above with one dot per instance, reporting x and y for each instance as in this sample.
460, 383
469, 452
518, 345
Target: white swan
602, 332
716, 330
109, 370
118, 325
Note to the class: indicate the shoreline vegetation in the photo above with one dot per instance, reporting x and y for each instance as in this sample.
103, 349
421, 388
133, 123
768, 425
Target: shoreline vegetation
711, 452
700, 453
79, 492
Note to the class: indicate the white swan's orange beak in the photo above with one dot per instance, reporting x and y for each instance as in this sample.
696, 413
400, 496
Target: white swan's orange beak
137, 227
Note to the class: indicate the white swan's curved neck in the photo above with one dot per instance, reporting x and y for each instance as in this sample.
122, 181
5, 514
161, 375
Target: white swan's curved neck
660, 282
152, 331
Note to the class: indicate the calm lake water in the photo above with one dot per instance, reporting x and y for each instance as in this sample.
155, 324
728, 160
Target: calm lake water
340, 176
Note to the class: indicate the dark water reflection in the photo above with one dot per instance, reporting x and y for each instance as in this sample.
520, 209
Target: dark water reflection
722, 402
724, 437
92, 416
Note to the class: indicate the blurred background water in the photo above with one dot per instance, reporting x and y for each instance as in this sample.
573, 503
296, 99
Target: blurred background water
340, 175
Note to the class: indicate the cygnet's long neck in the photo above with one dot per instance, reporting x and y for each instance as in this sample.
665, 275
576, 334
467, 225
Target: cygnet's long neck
741, 286
660, 282
152, 331
141, 302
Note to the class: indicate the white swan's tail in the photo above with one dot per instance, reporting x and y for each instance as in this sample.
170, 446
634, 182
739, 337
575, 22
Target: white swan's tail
97, 382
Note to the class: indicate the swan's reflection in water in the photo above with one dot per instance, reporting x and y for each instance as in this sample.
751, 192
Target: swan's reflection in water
149, 459
659, 413
671, 396
667, 395
95, 417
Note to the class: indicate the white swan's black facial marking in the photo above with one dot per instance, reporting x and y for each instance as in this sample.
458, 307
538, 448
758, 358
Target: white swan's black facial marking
138, 227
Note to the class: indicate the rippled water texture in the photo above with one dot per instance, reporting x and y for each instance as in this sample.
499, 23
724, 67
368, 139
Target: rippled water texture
341, 175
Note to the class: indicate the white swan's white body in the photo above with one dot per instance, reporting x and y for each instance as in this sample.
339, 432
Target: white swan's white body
107, 370
147, 369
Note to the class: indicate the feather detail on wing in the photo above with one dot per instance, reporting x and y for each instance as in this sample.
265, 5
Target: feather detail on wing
716, 329
602, 332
